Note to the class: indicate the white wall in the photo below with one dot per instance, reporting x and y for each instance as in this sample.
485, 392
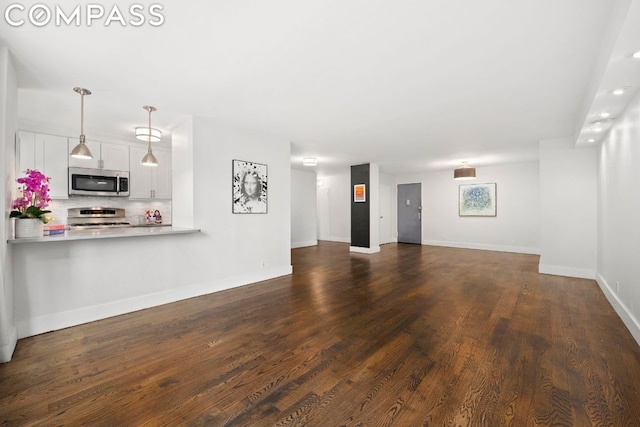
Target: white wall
182, 173
568, 202
334, 207
8, 126
514, 229
387, 185
303, 208
60, 284
619, 217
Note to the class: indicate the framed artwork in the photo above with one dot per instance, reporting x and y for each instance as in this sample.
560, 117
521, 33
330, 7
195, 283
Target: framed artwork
359, 193
477, 200
249, 187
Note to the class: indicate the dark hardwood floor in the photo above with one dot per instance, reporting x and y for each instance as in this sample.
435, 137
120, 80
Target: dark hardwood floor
412, 336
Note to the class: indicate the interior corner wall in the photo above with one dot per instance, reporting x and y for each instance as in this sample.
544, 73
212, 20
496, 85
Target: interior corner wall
515, 228
618, 217
8, 126
568, 203
182, 173
303, 208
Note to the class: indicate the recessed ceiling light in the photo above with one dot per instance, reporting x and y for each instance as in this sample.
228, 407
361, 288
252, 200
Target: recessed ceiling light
604, 114
309, 161
618, 92
591, 140
636, 55
597, 129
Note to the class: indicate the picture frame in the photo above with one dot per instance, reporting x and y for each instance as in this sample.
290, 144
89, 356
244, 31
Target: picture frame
249, 187
477, 200
359, 193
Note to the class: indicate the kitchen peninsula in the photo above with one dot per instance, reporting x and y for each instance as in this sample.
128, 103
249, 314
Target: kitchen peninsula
85, 275
109, 233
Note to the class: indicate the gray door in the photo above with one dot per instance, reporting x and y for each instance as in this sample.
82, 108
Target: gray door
410, 213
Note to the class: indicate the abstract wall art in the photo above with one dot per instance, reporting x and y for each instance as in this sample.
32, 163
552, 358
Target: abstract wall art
477, 200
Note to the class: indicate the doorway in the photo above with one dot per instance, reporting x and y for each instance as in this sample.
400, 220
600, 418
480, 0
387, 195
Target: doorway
410, 213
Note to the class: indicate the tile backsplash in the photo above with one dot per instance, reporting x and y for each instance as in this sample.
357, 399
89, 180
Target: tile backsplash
134, 209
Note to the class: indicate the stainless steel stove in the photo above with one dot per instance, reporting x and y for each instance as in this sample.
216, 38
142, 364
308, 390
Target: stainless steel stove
96, 217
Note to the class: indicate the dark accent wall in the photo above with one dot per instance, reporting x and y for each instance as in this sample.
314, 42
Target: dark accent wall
360, 219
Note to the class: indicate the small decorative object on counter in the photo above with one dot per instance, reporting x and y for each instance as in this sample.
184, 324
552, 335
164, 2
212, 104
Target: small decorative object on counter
53, 229
157, 218
147, 216
28, 208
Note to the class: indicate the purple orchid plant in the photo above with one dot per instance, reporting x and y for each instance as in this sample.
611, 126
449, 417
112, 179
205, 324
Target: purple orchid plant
35, 197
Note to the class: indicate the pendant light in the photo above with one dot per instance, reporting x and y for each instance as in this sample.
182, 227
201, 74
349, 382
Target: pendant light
81, 151
149, 159
464, 172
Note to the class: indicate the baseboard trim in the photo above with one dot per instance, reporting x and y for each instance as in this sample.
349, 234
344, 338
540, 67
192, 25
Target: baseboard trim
295, 245
338, 239
559, 270
7, 348
65, 319
361, 250
627, 318
484, 247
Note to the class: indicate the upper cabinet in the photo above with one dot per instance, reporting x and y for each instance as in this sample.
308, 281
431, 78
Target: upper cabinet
105, 156
150, 182
50, 155
46, 153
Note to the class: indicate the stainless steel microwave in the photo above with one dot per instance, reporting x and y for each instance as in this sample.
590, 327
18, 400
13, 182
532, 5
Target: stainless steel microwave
98, 182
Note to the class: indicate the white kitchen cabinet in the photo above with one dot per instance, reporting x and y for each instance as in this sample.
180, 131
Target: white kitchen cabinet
114, 156
148, 182
105, 156
46, 153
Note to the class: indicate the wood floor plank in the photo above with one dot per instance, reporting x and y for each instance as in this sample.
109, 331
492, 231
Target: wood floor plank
411, 336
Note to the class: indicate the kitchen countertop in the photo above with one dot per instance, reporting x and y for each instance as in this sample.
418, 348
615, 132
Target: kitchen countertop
109, 233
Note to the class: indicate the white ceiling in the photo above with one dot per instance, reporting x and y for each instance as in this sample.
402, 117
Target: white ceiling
412, 85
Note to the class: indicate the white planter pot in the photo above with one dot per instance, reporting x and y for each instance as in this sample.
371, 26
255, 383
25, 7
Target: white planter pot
29, 227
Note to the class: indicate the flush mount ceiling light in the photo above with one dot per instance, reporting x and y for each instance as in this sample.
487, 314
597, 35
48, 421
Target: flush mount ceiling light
464, 172
618, 92
149, 159
81, 151
604, 114
591, 140
143, 134
636, 55
309, 161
